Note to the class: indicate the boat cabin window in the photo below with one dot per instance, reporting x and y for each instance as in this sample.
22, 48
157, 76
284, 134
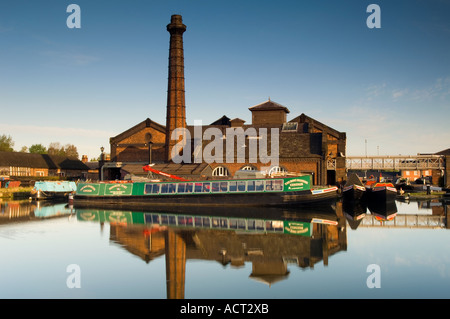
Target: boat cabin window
152, 188
185, 187
237, 223
198, 187
198, 221
255, 186
241, 186
274, 185
274, 225
182, 188
206, 187
206, 222
259, 186
219, 222
233, 186
223, 186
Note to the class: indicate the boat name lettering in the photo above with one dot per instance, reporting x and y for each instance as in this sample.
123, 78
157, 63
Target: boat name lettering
118, 186
296, 228
88, 188
296, 182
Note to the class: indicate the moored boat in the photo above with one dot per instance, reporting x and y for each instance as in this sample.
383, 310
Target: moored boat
380, 191
354, 189
283, 191
53, 190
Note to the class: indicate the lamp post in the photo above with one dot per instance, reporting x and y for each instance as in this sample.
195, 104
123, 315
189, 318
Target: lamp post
101, 162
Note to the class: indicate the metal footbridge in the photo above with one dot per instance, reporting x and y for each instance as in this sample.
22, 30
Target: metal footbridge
387, 162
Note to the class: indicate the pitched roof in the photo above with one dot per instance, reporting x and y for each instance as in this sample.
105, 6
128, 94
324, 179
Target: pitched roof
40, 161
137, 128
444, 152
268, 106
224, 120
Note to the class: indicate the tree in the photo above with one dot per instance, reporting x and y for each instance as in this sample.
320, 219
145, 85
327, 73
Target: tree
24, 149
68, 150
6, 143
38, 149
71, 150
55, 148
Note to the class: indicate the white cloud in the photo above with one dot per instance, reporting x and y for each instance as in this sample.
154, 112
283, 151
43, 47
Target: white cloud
399, 93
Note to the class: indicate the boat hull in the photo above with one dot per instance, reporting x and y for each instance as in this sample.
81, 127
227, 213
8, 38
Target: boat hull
381, 193
353, 192
50, 195
195, 200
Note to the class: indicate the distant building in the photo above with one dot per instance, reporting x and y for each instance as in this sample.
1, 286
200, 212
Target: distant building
305, 144
14, 165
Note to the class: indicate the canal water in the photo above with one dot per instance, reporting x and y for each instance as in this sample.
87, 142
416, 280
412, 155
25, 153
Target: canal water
52, 250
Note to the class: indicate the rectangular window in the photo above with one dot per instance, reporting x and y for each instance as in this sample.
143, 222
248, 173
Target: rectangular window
189, 187
259, 186
206, 187
182, 188
223, 186
198, 187
151, 188
241, 186
172, 188
215, 187
206, 222
251, 186
233, 186
164, 188
172, 220
274, 185
259, 224
181, 220
198, 222
155, 219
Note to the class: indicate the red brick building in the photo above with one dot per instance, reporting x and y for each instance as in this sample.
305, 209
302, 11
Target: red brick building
305, 145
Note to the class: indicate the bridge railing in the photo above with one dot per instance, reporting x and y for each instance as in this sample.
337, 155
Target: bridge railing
395, 162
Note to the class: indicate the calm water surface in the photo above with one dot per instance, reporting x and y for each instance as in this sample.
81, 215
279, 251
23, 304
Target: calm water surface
51, 250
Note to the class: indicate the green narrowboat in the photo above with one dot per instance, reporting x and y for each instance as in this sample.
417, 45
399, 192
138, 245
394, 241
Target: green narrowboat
286, 191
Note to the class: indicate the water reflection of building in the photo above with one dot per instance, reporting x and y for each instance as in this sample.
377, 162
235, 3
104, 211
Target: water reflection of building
270, 253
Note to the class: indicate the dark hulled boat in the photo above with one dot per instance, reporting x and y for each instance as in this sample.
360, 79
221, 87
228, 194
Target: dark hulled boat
353, 189
380, 191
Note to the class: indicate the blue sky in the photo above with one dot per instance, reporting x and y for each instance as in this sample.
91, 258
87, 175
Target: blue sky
388, 86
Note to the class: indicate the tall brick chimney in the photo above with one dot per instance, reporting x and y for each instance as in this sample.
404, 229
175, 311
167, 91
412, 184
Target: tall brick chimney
176, 108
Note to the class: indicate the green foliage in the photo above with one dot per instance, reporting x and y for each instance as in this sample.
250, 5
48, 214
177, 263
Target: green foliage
69, 150
38, 149
6, 143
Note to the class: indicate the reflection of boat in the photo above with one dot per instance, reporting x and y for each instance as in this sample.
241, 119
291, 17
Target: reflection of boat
354, 211
288, 191
267, 220
26, 210
384, 210
353, 189
53, 189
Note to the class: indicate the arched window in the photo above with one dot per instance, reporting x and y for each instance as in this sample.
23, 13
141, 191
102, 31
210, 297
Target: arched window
220, 171
277, 169
248, 168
